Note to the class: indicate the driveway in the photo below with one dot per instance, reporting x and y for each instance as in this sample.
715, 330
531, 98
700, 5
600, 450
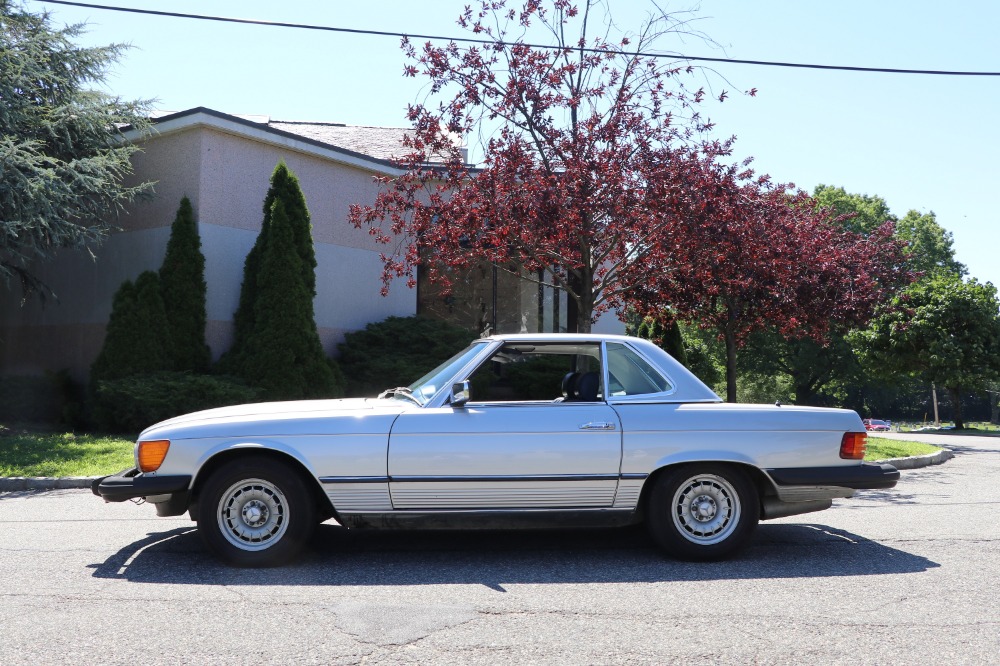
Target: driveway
901, 576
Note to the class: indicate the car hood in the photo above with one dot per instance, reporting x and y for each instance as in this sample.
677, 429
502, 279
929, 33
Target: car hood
303, 417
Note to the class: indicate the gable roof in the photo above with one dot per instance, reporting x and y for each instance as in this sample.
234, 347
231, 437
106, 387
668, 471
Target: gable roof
366, 147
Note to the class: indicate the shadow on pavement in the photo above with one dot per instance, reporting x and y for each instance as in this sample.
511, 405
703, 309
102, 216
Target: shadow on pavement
497, 558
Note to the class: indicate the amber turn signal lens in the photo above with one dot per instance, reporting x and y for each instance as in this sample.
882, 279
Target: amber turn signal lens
852, 446
152, 453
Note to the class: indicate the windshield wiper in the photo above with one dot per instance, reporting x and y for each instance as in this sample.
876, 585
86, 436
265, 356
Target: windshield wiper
400, 390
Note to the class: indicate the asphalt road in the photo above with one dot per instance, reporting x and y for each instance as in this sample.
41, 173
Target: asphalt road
907, 576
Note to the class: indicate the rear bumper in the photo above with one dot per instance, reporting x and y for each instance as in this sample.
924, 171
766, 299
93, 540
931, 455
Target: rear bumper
132, 484
857, 477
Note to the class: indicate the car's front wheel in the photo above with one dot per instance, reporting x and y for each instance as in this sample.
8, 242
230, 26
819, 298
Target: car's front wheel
255, 512
702, 511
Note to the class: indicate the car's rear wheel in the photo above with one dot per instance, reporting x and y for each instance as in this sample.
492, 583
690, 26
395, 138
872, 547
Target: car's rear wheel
255, 512
703, 511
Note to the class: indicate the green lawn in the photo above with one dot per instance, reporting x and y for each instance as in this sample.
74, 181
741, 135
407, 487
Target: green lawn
62, 454
883, 449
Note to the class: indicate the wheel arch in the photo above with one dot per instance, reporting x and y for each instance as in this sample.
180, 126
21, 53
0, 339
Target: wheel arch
323, 505
761, 482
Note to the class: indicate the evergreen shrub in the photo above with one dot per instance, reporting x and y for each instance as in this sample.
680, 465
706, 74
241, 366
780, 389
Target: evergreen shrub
138, 338
397, 351
284, 355
667, 337
130, 404
182, 285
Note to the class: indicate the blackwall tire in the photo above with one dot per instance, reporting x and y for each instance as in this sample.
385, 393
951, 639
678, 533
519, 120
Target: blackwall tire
703, 511
255, 512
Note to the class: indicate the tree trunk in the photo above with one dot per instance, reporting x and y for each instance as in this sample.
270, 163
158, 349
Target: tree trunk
956, 406
580, 311
730, 366
804, 393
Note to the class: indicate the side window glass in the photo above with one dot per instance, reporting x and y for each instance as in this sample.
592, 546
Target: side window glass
630, 374
539, 372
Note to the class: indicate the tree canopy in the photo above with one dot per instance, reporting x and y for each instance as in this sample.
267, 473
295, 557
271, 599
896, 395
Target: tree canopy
62, 179
582, 161
750, 256
946, 331
930, 247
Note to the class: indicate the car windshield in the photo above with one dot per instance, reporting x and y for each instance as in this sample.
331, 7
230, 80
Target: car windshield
424, 388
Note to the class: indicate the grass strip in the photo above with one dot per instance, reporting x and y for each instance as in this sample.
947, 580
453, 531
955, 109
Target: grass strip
62, 454
884, 449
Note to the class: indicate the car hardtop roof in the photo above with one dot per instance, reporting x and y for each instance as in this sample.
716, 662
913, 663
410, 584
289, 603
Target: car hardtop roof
561, 337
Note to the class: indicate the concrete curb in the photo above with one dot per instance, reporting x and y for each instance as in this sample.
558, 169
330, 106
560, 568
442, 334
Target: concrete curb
916, 462
16, 483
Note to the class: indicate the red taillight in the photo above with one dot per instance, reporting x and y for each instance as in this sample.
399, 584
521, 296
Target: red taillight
852, 446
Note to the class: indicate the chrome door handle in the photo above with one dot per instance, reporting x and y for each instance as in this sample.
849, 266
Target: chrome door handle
598, 425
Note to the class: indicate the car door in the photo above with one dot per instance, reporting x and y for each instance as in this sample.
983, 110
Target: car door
522, 445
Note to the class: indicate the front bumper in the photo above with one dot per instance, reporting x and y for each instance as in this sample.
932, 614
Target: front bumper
131, 484
857, 477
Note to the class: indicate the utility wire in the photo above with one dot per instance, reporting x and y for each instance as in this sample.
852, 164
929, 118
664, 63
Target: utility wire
469, 40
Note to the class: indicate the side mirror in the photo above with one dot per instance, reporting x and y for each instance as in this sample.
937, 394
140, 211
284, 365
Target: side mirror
460, 394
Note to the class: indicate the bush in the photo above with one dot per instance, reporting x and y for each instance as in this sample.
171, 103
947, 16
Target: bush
667, 336
276, 345
134, 403
284, 355
397, 352
182, 285
138, 336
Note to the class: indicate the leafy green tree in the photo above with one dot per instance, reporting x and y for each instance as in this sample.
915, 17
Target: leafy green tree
945, 331
62, 179
182, 282
930, 246
283, 354
137, 339
831, 372
809, 365
284, 187
861, 213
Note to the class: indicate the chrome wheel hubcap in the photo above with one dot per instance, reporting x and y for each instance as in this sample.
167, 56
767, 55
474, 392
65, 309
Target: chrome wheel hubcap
253, 514
706, 509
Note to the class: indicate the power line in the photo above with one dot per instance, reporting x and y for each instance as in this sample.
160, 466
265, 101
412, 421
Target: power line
469, 40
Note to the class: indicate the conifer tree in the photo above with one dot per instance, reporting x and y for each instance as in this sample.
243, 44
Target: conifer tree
137, 339
284, 187
182, 283
667, 337
64, 168
283, 353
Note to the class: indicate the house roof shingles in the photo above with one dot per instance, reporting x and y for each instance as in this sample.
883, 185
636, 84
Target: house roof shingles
385, 143
380, 145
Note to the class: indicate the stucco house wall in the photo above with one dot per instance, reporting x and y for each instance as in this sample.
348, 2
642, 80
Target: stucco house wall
223, 165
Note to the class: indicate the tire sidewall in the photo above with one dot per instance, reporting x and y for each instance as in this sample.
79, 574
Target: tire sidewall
301, 514
660, 519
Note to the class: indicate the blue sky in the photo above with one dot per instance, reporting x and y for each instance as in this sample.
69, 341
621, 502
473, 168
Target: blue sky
927, 143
